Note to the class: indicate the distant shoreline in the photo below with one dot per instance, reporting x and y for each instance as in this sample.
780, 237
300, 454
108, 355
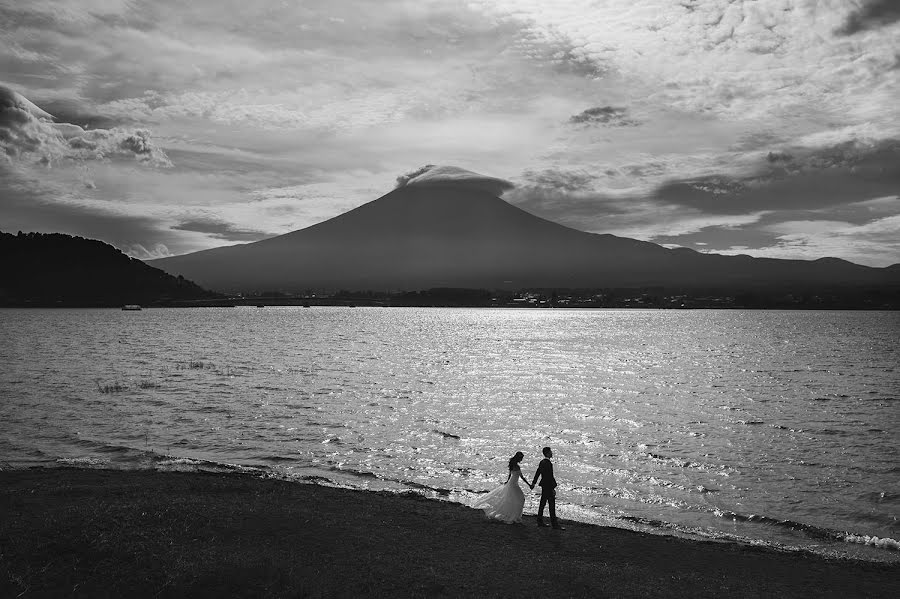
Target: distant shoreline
148, 533
350, 304
663, 298
514, 307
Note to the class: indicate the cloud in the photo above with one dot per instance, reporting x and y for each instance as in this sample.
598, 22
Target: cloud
567, 180
872, 14
731, 59
576, 198
71, 110
875, 243
405, 178
136, 250
796, 178
604, 115
28, 131
431, 175
48, 205
815, 179
23, 126
219, 229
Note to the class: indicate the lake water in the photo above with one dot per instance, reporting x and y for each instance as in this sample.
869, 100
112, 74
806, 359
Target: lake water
770, 427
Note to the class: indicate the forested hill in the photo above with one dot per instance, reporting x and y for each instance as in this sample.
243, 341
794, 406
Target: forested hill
52, 269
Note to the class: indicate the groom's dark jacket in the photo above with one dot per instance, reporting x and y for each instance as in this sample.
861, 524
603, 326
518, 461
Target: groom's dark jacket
545, 471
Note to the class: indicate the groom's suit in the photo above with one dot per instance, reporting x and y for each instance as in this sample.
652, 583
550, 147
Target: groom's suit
548, 490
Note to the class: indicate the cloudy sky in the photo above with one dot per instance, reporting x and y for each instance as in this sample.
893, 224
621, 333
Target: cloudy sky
764, 127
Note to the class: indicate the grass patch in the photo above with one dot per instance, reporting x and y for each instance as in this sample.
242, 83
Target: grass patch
114, 387
196, 365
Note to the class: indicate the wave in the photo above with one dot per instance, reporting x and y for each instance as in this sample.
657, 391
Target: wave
809, 529
648, 479
717, 469
107, 448
882, 543
86, 461
781, 427
179, 462
834, 432
816, 532
212, 410
354, 472
819, 533
440, 491
276, 458
408, 484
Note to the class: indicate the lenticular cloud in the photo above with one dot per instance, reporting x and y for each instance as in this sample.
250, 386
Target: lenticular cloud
432, 175
26, 131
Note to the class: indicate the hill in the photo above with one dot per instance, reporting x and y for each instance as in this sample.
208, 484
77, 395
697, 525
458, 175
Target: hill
53, 269
446, 235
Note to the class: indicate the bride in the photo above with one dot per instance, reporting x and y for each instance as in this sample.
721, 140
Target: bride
505, 503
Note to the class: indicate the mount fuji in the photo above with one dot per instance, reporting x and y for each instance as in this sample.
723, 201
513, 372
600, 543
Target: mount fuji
447, 227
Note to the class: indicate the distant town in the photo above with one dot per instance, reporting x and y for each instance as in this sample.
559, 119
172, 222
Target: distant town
655, 298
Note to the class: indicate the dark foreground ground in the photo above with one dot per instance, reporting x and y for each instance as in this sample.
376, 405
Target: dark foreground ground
100, 533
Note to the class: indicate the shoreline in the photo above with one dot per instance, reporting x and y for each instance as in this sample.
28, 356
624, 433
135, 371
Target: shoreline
93, 532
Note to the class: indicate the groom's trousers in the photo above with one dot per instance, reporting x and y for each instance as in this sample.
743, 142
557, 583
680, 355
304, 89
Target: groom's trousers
548, 497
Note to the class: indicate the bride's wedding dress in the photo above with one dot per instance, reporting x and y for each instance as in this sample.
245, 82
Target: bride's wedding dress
504, 503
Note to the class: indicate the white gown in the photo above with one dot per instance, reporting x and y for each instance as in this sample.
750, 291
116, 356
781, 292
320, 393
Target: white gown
505, 503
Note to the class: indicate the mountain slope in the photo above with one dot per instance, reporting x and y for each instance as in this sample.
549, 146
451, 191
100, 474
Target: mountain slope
53, 269
418, 237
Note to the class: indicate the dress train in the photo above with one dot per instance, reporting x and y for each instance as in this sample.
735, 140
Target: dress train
505, 503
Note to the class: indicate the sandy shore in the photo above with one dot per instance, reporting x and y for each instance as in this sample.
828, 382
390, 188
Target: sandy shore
99, 533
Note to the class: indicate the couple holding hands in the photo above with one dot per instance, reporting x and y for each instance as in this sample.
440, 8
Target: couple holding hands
505, 503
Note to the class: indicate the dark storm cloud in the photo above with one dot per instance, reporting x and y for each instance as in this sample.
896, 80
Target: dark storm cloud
796, 180
71, 111
723, 238
872, 14
609, 116
220, 230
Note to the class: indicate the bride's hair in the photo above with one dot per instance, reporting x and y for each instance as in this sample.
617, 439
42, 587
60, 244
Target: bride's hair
514, 461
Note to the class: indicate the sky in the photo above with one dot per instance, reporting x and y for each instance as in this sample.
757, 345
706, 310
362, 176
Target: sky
761, 127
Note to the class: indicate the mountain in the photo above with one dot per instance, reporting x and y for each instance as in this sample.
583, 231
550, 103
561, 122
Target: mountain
436, 235
38, 269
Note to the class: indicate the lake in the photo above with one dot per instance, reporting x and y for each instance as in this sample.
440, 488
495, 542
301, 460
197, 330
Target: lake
776, 428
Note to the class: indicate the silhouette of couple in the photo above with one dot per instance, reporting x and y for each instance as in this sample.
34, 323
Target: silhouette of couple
505, 503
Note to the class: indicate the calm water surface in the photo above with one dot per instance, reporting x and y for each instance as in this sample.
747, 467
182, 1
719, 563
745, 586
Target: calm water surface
768, 427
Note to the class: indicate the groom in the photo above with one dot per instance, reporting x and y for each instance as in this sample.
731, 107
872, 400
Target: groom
548, 489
